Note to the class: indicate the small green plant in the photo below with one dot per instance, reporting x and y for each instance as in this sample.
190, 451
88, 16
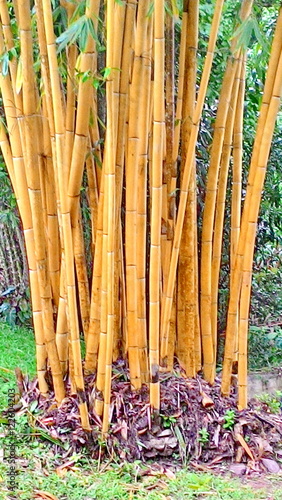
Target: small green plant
229, 419
273, 401
203, 436
168, 421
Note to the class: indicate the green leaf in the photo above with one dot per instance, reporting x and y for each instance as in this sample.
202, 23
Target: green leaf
5, 64
106, 72
79, 11
83, 37
47, 436
91, 28
33, 406
150, 10
19, 77
71, 35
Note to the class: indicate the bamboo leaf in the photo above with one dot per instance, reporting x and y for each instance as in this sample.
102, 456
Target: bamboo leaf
243, 34
248, 29
71, 35
79, 11
92, 31
150, 10
260, 38
5, 64
48, 437
83, 37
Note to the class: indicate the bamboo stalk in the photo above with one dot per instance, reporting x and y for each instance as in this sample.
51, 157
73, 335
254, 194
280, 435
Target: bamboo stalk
236, 199
95, 305
187, 294
65, 213
18, 178
30, 127
131, 172
156, 209
256, 194
87, 64
13, 63
81, 274
142, 209
272, 72
220, 205
168, 295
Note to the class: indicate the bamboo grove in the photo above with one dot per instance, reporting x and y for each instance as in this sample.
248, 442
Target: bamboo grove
153, 291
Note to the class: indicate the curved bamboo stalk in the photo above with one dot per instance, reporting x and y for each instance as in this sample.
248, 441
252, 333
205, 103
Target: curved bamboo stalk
272, 73
210, 200
236, 199
19, 182
257, 189
208, 219
13, 63
220, 205
31, 126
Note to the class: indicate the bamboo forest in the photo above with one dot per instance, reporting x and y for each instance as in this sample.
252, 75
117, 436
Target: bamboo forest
106, 122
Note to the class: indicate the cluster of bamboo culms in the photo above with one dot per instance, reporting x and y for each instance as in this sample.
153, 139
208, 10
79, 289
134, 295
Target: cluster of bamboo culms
150, 298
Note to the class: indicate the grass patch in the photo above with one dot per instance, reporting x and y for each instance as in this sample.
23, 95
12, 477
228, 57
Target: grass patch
119, 482
17, 349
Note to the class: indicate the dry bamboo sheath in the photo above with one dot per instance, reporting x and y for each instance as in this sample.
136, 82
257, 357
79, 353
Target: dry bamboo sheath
147, 299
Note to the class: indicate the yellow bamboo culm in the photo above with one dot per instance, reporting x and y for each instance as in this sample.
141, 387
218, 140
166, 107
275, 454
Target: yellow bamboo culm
187, 292
220, 205
168, 295
110, 199
65, 212
156, 209
30, 126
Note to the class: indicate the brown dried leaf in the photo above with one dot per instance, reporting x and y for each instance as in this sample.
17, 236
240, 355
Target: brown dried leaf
45, 495
207, 402
216, 436
244, 445
63, 469
124, 430
238, 469
168, 473
271, 465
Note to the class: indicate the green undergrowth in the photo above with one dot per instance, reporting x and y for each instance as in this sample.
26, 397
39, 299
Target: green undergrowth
265, 347
81, 480
17, 349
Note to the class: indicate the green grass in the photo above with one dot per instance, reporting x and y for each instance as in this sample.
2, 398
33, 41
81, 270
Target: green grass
17, 349
120, 481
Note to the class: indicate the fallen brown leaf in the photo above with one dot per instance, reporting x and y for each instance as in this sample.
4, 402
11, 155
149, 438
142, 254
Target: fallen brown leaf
45, 495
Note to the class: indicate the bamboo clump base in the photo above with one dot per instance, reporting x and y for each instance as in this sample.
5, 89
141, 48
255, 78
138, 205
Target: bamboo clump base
114, 124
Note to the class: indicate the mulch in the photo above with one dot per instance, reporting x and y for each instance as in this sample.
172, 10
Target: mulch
196, 425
